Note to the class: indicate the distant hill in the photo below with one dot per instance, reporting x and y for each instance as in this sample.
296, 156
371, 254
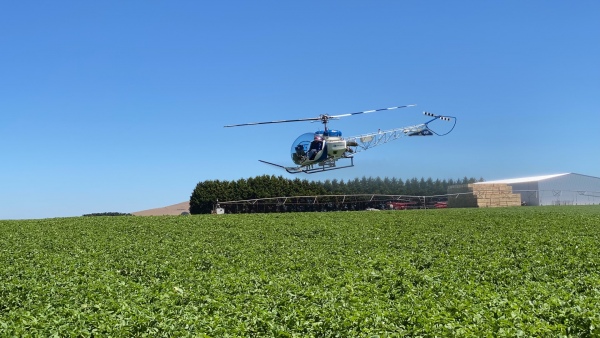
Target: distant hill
175, 209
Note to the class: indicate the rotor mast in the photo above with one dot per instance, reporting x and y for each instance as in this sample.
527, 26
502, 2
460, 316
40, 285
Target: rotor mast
325, 119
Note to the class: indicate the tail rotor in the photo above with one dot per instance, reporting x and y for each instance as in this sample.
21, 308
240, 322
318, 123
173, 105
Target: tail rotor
440, 117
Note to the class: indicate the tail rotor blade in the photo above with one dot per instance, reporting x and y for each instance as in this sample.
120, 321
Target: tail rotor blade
445, 118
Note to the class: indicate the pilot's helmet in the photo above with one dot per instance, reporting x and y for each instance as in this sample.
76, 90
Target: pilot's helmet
318, 137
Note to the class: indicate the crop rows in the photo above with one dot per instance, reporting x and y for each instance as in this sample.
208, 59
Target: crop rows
462, 272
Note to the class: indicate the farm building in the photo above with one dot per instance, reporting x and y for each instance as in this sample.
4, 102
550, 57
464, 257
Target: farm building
558, 189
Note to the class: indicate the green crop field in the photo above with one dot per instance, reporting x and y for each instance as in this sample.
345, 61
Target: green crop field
526, 271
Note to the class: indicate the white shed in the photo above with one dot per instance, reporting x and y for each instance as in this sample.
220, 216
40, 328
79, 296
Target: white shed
557, 189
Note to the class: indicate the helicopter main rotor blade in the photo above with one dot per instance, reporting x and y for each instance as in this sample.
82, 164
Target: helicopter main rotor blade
371, 111
271, 122
323, 118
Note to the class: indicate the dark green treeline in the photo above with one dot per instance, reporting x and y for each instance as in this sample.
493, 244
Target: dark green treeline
208, 192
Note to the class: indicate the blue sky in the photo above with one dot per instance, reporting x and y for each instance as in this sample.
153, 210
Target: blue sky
120, 106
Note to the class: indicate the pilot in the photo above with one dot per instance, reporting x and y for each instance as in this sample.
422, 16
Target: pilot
315, 146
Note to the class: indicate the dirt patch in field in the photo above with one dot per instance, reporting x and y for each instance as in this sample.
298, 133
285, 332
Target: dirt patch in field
175, 209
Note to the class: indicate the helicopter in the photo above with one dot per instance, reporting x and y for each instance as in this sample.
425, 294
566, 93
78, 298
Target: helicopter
320, 151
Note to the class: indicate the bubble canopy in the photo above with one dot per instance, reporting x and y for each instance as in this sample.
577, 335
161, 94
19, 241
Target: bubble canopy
300, 147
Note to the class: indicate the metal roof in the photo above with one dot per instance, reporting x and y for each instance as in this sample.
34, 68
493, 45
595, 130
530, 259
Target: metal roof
523, 179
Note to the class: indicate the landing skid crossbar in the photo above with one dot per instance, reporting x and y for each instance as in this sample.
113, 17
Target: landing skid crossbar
310, 169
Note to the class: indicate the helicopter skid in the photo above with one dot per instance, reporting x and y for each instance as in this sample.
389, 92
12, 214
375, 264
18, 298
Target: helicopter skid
311, 169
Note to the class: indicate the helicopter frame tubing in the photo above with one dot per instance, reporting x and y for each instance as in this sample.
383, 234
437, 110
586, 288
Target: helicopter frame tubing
367, 141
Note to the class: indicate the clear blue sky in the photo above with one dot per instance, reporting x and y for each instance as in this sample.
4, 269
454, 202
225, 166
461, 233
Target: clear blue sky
120, 105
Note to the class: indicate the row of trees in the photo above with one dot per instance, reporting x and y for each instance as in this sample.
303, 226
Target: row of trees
107, 214
207, 193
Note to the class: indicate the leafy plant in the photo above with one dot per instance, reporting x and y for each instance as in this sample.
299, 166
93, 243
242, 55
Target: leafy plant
452, 272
